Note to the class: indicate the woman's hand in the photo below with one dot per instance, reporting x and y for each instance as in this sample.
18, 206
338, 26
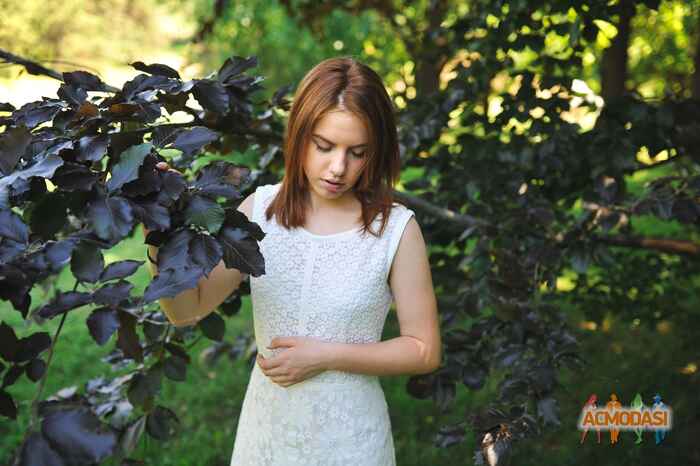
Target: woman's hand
163, 166
303, 359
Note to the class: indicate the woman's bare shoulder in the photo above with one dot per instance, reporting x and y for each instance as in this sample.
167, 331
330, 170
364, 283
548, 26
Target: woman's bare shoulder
247, 206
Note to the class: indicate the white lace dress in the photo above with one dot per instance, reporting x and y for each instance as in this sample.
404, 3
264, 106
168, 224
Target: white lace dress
334, 288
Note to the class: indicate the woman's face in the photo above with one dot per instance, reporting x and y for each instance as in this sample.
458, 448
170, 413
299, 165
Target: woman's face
337, 148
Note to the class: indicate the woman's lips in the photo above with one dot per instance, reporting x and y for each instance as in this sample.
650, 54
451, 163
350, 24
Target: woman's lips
332, 187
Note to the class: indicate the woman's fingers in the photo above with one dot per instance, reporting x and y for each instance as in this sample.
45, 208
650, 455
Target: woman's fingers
163, 166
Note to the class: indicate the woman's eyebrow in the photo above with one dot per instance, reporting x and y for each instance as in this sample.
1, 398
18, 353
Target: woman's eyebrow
332, 143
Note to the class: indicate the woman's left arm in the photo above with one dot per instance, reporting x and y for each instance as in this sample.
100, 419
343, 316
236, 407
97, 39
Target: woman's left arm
419, 348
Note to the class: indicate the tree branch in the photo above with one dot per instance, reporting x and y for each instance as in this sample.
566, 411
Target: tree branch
37, 69
672, 246
442, 213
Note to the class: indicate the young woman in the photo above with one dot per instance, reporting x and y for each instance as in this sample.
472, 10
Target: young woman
338, 250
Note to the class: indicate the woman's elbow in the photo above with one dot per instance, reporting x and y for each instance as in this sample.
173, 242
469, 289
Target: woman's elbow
435, 361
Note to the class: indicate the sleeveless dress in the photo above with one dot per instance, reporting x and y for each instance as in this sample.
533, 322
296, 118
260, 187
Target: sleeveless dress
334, 288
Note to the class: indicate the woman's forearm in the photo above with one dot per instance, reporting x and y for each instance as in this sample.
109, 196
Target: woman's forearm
182, 309
403, 355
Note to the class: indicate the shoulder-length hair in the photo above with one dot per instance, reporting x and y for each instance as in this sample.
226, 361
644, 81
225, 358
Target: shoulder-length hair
346, 83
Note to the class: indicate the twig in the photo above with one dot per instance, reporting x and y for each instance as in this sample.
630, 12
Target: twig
39, 69
35, 402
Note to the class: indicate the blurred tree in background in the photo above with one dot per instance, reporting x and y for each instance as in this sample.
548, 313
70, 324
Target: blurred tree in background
77, 33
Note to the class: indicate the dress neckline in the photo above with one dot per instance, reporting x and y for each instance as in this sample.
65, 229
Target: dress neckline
332, 235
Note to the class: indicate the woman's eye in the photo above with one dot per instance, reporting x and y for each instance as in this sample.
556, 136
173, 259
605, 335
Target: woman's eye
356, 154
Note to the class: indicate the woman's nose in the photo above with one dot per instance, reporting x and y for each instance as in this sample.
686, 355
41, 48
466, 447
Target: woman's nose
338, 164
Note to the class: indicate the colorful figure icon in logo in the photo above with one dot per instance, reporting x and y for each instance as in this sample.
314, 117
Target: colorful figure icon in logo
659, 434
590, 404
638, 404
612, 405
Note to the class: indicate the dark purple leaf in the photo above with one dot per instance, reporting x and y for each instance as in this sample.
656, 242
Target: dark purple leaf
152, 331
420, 386
37, 451
148, 182
119, 142
12, 375
170, 283
177, 350
192, 140
278, 99
162, 423
113, 293
235, 65
32, 346
127, 338
63, 302
144, 82
175, 368
232, 305
175, 254
53, 256
9, 343
35, 369
220, 179
75, 177
12, 226
205, 251
153, 215
120, 269
14, 286
87, 262
13, 143
111, 217
211, 95
10, 250
163, 136
87, 81
49, 213
173, 185
53, 146
92, 148
102, 323
241, 250
73, 94
79, 435
213, 326
44, 167
34, 113
157, 69
145, 385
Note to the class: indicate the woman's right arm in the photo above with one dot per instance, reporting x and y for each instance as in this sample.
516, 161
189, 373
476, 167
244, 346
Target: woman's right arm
193, 305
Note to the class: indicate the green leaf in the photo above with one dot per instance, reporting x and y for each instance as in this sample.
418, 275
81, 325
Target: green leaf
127, 169
206, 213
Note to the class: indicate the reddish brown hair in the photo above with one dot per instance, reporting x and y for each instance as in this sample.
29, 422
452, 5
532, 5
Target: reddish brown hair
358, 89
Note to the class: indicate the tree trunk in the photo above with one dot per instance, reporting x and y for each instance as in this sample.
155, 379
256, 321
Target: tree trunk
614, 66
696, 73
